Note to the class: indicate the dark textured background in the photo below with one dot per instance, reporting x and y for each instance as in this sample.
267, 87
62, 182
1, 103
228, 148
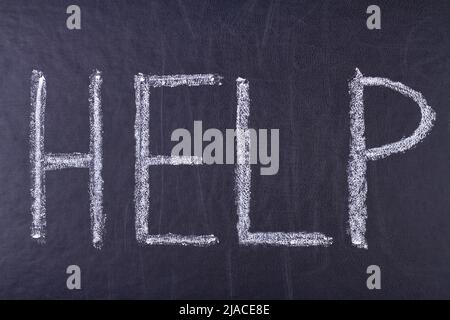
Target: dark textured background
298, 56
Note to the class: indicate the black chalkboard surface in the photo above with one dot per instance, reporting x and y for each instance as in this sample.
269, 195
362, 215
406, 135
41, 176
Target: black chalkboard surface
298, 59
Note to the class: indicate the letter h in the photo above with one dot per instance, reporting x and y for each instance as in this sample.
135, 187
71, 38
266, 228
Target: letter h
42, 161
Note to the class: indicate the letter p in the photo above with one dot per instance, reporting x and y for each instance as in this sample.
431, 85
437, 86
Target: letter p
360, 155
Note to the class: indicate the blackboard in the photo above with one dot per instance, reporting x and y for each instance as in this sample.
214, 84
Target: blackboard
298, 58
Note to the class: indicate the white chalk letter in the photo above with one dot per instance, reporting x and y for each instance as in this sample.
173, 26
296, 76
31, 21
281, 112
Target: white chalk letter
243, 184
42, 161
144, 159
359, 155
